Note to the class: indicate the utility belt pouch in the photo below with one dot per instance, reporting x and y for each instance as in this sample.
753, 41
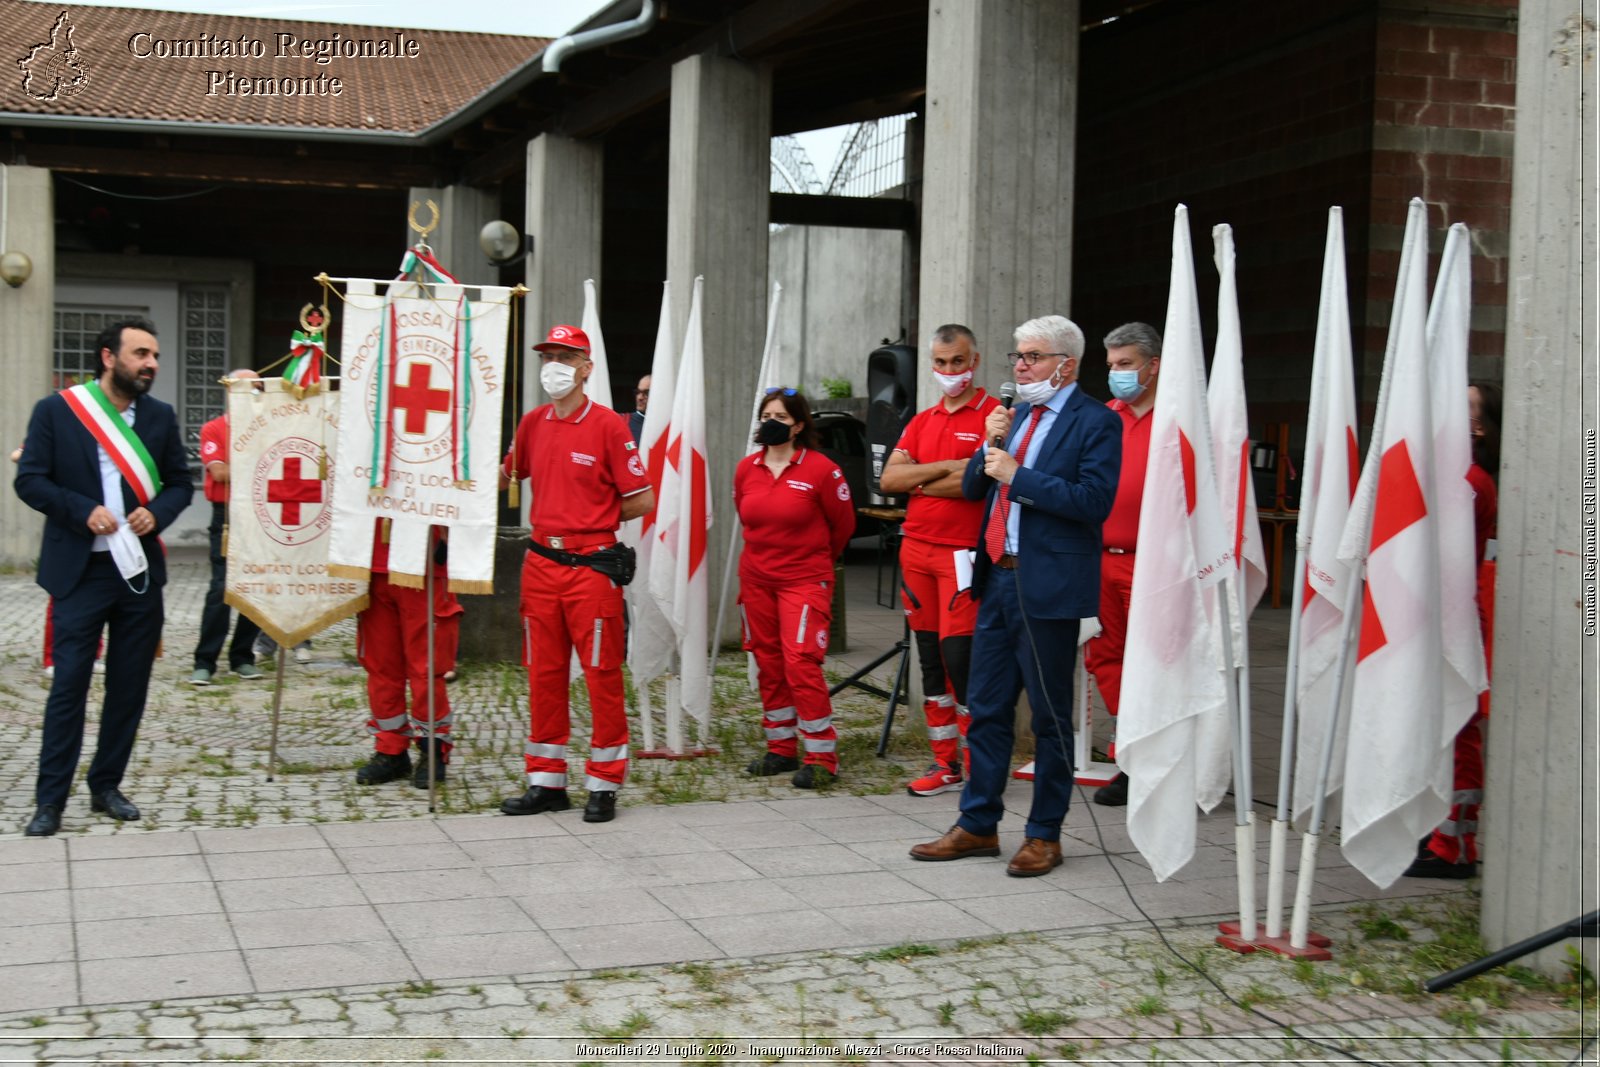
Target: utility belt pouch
617, 562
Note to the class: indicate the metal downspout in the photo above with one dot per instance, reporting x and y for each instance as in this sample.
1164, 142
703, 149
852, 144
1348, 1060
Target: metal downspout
572, 44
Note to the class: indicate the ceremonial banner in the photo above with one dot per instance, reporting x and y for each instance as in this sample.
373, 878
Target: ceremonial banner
421, 392
280, 511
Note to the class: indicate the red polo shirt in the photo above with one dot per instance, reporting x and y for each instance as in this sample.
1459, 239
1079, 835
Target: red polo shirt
579, 468
1121, 529
214, 449
939, 434
795, 524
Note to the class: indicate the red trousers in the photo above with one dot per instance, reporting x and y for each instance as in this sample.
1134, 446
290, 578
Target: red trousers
1456, 839
392, 644
786, 629
1102, 654
938, 610
566, 608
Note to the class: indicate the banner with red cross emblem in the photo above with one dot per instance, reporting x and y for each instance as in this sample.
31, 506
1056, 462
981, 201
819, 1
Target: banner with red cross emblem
421, 389
280, 511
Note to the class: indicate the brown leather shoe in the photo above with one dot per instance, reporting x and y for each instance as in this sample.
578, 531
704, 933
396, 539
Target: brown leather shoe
1034, 858
957, 844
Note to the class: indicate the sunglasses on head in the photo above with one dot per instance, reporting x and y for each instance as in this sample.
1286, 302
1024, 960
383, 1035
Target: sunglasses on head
776, 389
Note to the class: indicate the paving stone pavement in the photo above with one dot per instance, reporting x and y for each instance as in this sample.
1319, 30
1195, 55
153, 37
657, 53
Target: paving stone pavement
719, 919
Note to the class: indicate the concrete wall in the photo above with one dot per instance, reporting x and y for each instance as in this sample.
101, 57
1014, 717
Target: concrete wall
1540, 853
27, 329
842, 295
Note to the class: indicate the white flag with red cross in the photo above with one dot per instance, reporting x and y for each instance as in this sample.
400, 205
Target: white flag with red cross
419, 431
1409, 699
1328, 481
1173, 735
651, 640
678, 578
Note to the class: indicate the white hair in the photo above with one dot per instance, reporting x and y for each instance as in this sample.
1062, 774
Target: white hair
1060, 332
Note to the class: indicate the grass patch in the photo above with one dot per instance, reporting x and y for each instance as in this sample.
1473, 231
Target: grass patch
899, 953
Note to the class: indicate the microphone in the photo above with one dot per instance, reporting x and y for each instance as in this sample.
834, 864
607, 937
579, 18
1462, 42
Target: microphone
1008, 393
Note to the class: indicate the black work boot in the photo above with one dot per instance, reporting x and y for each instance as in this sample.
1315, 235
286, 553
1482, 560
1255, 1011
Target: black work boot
602, 806
770, 764
419, 776
538, 799
383, 767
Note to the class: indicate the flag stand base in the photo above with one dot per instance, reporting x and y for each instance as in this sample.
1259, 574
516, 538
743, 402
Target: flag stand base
667, 753
1316, 948
1024, 772
1097, 773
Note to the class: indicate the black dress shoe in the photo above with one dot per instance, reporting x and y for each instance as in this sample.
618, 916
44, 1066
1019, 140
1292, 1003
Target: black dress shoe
114, 804
602, 806
1114, 794
538, 798
46, 821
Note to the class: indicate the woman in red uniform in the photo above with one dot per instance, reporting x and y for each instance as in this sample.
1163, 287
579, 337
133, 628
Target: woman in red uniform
797, 515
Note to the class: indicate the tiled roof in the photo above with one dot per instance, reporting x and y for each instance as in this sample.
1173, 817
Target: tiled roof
170, 66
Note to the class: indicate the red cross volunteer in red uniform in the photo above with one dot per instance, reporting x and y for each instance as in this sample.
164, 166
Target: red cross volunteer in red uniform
928, 463
795, 507
586, 478
392, 645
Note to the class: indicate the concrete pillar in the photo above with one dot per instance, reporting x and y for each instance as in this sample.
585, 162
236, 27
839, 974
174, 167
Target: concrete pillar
27, 331
998, 153
1539, 843
717, 212
462, 212
563, 217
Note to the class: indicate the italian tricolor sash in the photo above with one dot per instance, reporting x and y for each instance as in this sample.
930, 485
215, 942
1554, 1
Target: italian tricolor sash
105, 422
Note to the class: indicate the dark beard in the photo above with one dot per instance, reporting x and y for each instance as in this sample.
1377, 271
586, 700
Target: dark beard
129, 385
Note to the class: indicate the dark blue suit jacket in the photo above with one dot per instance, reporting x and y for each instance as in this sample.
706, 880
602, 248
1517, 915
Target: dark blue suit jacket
59, 475
1064, 498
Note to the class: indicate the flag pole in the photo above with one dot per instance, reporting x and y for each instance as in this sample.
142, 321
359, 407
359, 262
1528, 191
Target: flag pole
1279, 838
1300, 922
1247, 885
1244, 787
277, 706
432, 703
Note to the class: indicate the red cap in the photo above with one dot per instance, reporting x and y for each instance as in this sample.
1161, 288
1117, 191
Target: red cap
565, 337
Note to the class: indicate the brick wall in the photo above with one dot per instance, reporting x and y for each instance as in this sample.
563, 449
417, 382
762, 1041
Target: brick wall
1264, 114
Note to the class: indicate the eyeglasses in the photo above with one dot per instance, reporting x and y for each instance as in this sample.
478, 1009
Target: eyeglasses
776, 389
1029, 359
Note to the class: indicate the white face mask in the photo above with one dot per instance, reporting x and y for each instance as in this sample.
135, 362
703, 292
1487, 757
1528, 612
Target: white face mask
1036, 393
558, 379
953, 384
126, 552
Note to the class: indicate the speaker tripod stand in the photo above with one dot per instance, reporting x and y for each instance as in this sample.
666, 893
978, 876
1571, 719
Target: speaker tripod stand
895, 696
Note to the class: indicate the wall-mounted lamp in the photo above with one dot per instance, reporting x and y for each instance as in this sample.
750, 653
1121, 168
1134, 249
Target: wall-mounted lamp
502, 243
15, 268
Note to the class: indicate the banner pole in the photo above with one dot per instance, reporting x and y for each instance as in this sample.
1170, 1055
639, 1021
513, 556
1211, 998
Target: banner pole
432, 703
277, 707
1291, 708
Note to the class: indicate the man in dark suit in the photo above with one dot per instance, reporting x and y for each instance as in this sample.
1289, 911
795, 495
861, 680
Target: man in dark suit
105, 464
1036, 573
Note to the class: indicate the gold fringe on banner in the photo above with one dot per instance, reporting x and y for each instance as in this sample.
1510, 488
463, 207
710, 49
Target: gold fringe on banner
408, 581
471, 588
345, 570
290, 638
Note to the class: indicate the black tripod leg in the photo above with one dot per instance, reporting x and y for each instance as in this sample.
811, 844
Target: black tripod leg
895, 697
1585, 926
856, 679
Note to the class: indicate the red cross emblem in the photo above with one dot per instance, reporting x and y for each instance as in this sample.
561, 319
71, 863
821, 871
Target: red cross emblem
292, 490
416, 399
1400, 503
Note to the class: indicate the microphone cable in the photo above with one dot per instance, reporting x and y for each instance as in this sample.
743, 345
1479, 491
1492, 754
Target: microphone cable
1063, 731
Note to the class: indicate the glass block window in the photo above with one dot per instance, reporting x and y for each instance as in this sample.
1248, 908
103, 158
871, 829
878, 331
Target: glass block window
203, 355
76, 359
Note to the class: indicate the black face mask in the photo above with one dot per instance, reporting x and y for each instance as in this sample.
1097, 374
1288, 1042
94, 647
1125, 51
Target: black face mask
772, 432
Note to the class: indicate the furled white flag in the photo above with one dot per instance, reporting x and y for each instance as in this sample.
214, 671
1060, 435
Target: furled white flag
1449, 328
1328, 480
651, 639
598, 387
1408, 702
1230, 440
678, 579
1173, 734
